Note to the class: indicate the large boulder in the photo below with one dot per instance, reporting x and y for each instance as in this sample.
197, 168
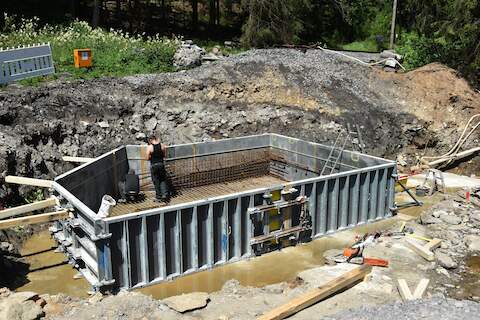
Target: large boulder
188, 55
473, 242
451, 219
445, 260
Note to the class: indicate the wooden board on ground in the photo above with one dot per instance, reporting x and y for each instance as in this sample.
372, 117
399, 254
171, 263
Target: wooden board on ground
421, 288
420, 249
77, 159
405, 217
405, 292
39, 218
433, 244
11, 212
315, 295
29, 181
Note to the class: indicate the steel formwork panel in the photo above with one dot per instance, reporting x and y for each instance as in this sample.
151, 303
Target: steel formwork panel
143, 248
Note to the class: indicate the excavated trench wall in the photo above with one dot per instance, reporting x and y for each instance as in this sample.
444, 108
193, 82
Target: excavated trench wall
149, 245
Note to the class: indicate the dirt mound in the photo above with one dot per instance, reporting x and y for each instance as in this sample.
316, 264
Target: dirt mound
436, 93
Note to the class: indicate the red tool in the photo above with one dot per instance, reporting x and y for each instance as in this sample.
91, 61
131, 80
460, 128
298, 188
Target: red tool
375, 262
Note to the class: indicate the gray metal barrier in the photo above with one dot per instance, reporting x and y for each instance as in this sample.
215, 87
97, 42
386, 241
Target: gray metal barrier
143, 248
25, 62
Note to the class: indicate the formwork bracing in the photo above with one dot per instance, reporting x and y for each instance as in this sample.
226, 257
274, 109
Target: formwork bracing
234, 199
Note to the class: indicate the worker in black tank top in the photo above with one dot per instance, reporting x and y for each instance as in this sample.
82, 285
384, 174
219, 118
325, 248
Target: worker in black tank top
155, 153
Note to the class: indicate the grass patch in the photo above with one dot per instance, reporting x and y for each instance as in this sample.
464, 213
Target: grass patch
115, 53
365, 45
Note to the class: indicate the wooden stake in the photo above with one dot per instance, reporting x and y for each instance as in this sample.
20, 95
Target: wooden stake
39, 218
11, 212
29, 181
317, 294
77, 159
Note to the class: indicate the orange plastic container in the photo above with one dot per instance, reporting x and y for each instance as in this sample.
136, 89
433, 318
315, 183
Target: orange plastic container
82, 58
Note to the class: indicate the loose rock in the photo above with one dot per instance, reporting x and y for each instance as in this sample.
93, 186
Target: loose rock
187, 302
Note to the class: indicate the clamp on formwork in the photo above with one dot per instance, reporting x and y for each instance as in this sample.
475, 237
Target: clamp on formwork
280, 216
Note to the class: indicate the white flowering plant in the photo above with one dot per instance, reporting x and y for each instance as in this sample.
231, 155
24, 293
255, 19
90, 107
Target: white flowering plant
115, 53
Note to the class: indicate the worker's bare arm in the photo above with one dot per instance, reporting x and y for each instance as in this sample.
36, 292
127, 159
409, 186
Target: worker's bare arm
149, 151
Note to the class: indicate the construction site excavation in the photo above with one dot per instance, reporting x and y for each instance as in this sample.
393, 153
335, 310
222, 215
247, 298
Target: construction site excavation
233, 199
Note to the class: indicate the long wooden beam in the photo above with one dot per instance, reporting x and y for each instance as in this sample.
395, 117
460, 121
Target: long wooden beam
317, 294
11, 212
38, 218
29, 181
77, 159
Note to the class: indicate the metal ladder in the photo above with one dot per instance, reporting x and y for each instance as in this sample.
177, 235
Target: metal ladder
357, 135
335, 154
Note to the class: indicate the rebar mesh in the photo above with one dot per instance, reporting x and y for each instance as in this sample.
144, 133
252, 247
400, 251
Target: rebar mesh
203, 170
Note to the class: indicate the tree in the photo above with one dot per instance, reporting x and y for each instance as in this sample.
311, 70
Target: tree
273, 22
194, 13
96, 13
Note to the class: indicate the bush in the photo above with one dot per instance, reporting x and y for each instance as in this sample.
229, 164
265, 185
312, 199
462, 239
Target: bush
418, 50
114, 53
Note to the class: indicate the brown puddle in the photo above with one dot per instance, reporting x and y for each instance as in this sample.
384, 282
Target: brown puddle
469, 286
274, 267
48, 272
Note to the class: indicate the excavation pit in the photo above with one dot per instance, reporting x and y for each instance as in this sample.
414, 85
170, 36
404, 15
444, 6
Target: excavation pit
233, 199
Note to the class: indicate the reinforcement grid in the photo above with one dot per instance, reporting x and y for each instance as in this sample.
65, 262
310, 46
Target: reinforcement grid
203, 170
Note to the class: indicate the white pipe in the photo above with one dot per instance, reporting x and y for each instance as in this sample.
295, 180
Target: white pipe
459, 155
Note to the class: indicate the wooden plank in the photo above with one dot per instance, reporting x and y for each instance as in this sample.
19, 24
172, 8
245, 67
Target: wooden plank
39, 218
405, 217
404, 290
433, 244
421, 250
11, 212
29, 181
318, 294
77, 159
421, 288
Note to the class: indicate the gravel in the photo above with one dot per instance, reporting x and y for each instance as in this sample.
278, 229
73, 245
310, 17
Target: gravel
425, 309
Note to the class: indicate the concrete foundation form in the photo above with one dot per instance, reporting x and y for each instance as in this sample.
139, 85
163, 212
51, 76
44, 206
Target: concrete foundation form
234, 198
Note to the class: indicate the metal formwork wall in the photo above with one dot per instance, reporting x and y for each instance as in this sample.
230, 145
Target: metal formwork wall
144, 248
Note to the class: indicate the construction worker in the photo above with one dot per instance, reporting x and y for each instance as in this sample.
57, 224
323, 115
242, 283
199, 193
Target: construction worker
156, 153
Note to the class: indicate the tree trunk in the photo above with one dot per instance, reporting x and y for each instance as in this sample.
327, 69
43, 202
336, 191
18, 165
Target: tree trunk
96, 13
211, 12
194, 13
118, 10
217, 15
2, 17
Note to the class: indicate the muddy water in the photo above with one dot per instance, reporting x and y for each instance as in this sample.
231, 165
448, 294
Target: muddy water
267, 269
469, 286
49, 272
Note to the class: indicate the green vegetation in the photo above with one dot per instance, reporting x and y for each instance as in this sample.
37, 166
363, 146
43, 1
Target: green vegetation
366, 45
114, 53
447, 31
